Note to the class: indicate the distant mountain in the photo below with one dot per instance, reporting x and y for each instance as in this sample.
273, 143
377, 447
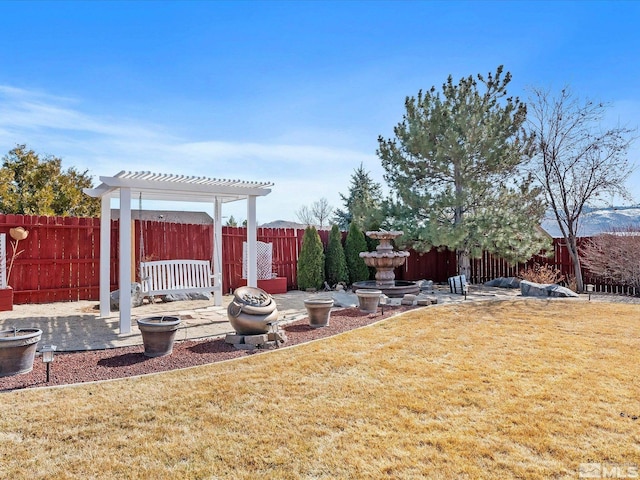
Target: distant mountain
595, 221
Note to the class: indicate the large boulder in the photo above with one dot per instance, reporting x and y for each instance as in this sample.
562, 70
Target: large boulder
531, 289
136, 297
504, 282
179, 297
426, 286
345, 299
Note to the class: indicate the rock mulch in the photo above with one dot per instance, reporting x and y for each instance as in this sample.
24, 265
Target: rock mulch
95, 365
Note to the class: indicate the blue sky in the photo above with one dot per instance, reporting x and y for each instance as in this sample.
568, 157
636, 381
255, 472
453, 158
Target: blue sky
290, 92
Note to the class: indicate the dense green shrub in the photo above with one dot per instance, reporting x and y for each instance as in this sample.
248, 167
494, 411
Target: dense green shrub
356, 243
311, 261
335, 263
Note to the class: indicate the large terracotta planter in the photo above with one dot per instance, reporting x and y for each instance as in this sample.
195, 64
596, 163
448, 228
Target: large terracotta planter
319, 311
6, 299
368, 300
158, 335
17, 350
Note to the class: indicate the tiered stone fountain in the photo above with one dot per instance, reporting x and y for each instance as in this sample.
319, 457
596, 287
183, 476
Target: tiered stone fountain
384, 260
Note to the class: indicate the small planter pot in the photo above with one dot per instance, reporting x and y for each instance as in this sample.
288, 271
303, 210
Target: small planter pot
158, 334
368, 300
17, 350
319, 311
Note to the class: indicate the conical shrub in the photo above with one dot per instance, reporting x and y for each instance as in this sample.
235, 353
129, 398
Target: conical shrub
311, 261
354, 244
335, 263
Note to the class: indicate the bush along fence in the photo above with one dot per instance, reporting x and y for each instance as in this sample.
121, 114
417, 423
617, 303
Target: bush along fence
61, 258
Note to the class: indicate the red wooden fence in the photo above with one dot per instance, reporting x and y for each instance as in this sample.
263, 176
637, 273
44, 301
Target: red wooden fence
60, 261
285, 254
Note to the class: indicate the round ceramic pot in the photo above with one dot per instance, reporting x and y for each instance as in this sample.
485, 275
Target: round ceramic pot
158, 334
319, 311
252, 311
17, 350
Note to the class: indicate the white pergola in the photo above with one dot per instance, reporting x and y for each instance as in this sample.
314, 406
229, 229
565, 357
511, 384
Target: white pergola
154, 186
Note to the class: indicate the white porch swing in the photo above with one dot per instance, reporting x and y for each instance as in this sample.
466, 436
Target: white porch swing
174, 188
180, 276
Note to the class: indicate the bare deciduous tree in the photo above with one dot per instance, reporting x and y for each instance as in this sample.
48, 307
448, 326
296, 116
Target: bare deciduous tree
305, 215
317, 214
577, 162
322, 211
615, 256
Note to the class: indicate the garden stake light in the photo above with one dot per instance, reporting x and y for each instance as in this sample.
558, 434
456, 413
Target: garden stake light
383, 302
47, 356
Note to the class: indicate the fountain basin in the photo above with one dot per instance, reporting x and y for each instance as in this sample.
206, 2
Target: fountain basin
398, 290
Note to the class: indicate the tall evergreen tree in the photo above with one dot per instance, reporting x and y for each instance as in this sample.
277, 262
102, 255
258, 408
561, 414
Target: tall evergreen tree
456, 169
311, 260
335, 262
363, 204
354, 244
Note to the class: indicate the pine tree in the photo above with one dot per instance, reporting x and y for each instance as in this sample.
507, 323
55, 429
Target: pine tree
456, 168
354, 244
363, 205
335, 261
311, 261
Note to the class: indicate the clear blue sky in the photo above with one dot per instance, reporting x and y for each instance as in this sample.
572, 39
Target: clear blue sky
290, 92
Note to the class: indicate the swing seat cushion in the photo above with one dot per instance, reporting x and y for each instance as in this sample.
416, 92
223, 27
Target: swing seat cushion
164, 277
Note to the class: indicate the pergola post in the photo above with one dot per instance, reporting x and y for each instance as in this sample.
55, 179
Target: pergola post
105, 256
252, 240
217, 251
125, 260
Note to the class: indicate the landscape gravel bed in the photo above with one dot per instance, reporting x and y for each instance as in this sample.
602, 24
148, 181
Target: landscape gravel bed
93, 365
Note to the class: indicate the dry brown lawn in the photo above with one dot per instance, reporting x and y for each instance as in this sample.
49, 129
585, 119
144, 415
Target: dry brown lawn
512, 389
